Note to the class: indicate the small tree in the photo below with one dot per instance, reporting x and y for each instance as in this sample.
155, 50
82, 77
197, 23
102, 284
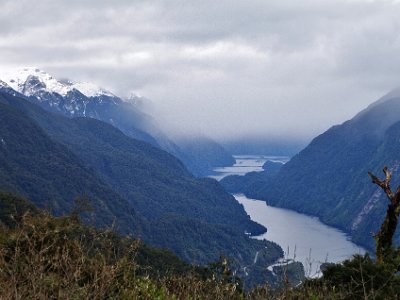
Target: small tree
384, 238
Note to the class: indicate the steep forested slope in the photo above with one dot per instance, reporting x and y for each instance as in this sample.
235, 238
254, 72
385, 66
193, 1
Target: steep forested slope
194, 217
202, 154
82, 99
33, 165
329, 177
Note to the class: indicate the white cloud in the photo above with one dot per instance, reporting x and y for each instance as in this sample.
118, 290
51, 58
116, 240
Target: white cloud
225, 67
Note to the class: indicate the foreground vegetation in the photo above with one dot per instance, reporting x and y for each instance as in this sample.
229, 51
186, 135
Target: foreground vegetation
147, 192
46, 257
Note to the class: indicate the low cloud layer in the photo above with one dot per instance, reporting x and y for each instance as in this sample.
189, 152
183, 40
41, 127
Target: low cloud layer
225, 68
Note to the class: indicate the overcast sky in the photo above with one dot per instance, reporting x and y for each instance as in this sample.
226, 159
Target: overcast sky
226, 68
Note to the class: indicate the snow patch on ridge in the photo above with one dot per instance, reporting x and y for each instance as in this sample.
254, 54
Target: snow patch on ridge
30, 80
19, 78
4, 84
91, 90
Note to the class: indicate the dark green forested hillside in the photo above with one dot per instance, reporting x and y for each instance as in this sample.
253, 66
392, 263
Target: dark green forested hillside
61, 158
43, 257
46, 257
14, 209
153, 180
33, 165
126, 115
329, 177
272, 166
202, 154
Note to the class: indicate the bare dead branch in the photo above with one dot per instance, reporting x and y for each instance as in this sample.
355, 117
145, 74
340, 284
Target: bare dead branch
384, 184
385, 235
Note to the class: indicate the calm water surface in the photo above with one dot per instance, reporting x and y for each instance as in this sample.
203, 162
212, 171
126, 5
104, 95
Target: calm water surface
245, 164
303, 238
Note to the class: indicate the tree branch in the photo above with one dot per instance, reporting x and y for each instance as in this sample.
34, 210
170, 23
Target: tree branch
385, 235
385, 184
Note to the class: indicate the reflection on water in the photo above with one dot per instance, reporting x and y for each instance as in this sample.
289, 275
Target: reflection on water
302, 237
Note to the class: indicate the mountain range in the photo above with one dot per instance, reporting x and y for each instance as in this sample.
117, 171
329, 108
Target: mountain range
83, 99
329, 178
142, 190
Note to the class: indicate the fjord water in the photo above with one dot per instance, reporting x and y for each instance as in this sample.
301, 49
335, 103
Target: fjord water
303, 238
245, 164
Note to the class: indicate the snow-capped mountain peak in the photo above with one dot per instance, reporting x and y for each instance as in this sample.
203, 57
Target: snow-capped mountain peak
91, 90
59, 95
4, 84
30, 80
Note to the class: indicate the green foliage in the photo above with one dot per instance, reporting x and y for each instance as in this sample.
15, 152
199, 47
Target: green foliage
12, 209
362, 278
248, 183
146, 191
45, 257
33, 165
192, 238
329, 178
291, 274
272, 166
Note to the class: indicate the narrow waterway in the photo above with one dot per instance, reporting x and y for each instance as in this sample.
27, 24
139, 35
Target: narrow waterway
303, 238
245, 164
